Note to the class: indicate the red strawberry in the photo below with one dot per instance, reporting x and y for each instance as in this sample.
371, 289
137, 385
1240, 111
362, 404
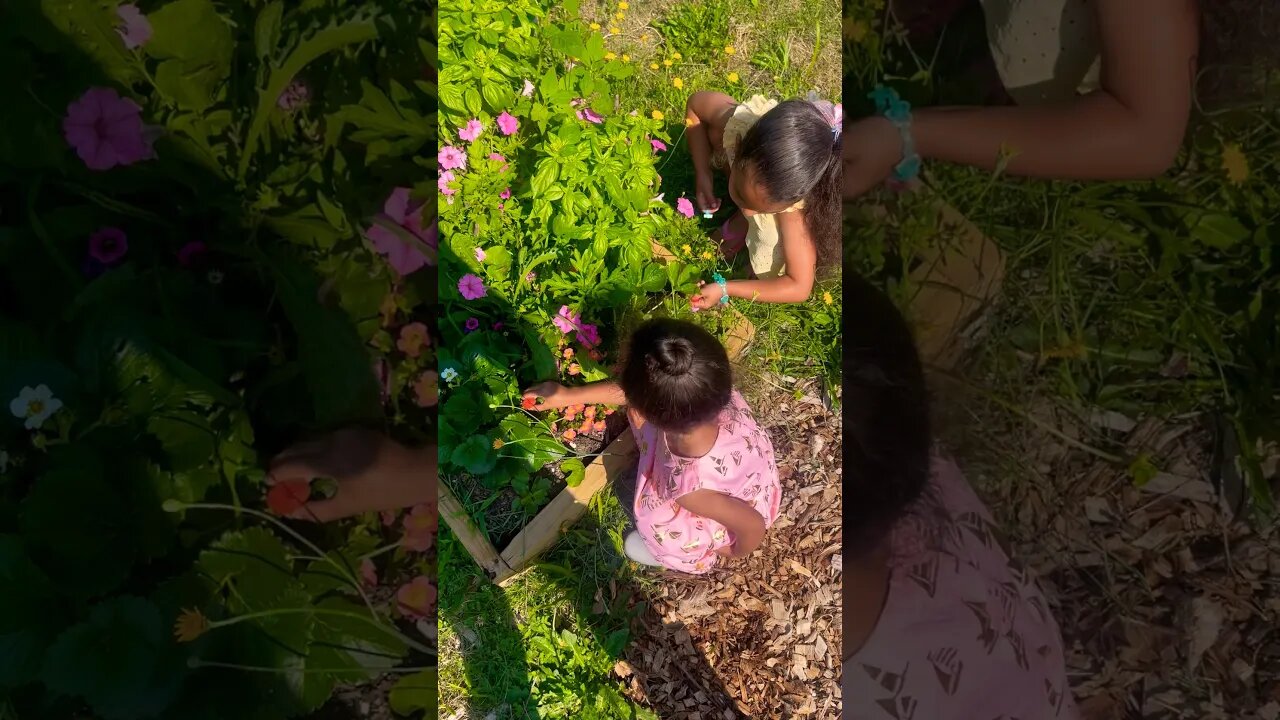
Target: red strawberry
287, 496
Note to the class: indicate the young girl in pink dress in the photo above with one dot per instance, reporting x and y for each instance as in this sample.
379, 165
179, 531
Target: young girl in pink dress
939, 622
706, 485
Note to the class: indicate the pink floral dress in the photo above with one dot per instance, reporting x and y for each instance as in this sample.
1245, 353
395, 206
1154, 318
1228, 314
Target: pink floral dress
965, 633
740, 464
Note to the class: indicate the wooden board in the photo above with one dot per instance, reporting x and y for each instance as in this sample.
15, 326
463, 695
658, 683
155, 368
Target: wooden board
460, 522
565, 509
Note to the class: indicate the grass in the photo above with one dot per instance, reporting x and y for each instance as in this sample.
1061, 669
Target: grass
545, 646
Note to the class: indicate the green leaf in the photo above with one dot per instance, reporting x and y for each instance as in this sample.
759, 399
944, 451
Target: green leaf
121, 661
416, 693
326, 40
266, 31
186, 437
574, 471
191, 87
256, 563
1217, 230
31, 614
496, 95
78, 525
1142, 470
334, 360
475, 455
528, 442
366, 647
191, 30
471, 101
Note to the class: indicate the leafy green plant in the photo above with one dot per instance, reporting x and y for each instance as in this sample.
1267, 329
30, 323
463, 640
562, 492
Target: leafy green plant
190, 281
550, 211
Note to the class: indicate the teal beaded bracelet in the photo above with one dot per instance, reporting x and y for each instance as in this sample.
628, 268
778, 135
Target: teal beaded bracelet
724, 289
898, 111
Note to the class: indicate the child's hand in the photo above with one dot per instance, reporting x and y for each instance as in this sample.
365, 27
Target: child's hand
373, 472
705, 192
707, 297
547, 396
872, 149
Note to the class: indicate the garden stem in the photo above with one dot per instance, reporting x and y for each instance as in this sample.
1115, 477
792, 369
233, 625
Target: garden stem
319, 611
198, 663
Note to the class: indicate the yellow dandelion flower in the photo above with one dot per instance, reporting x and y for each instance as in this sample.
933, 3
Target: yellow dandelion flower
826, 298
666, 63
624, 5
614, 31
676, 56
644, 38
677, 82
191, 624
610, 56
688, 122
657, 115
619, 17
626, 57
1235, 163
733, 77
595, 26
653, 66
497, 443
729, 50
706, 255
686, 248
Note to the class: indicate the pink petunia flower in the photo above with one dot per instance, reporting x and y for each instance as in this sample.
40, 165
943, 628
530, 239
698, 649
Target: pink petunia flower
471, 287
658, 145
471, 131
588, 335
294, 96
590, 116
446, 177
388, 517
480, 255
567, 321
684, 207
417, 599
527, 91
368, 573
134, 28
508, 124
403, 253
191, 253
472, 324
451, 158
108, 245
106, 130
497, 326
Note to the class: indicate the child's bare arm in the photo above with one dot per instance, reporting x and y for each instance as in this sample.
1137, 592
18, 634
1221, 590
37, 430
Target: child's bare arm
705, 116
1131, 128
742, 520
550, 395
795, 285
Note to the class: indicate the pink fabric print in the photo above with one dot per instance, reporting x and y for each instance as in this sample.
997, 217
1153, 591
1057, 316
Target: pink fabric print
134, 28
965, 633
106, 130
740, 464
402, 252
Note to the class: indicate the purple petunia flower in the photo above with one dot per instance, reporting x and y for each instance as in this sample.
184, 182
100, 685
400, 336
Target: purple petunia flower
471, 287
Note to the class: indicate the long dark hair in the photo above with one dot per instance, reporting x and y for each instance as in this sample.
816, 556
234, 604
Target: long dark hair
676, 374
887, 433
797, 157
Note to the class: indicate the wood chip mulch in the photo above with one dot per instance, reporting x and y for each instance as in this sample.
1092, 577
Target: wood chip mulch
1169, 607
760, 638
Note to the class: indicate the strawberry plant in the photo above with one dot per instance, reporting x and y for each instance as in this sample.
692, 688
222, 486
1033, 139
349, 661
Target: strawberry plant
550, 207
212, 234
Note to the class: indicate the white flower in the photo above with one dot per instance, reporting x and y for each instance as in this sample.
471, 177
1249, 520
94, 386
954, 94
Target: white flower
479, 254
36, 405
528, 89
449, 374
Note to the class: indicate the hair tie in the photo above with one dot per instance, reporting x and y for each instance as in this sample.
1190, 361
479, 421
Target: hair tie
832, 113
